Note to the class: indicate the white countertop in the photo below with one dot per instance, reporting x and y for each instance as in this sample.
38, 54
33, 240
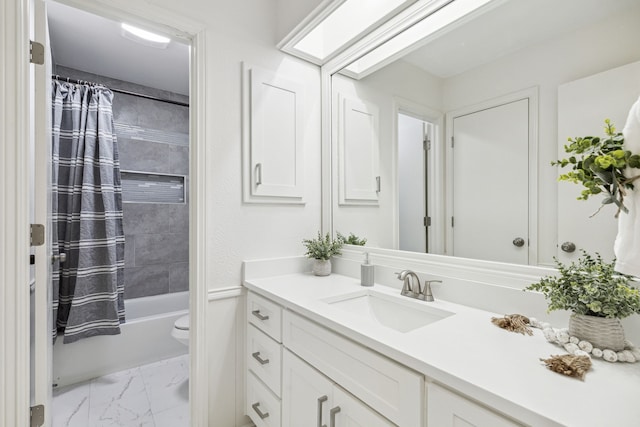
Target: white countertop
471, 355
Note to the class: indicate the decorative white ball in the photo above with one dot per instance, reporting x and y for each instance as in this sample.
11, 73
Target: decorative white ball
609, 355
545, 325
574, 340
628, 356
549, 334
571, 347
596, 352
585, 346
534, 322
636, 352
621, 356
581, 353
562, 337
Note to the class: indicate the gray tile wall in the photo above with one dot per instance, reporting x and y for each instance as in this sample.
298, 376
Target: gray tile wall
156, 235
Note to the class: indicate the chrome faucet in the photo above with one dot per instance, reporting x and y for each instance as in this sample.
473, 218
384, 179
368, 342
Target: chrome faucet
408, 276
411, 281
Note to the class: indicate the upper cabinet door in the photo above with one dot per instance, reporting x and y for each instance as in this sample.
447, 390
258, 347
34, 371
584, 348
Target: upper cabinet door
273, 143
358, 152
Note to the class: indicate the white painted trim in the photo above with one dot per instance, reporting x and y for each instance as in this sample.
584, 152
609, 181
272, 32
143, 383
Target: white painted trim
225, 293
532, 95
15, 105
14, 221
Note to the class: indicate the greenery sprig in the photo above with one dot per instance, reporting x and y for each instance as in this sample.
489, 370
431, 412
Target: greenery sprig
599, 165
590, 286
322, 247
351, 240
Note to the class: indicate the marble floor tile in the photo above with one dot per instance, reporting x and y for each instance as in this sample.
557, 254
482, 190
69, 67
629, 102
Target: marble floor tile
147, 396
71, 405
167, 383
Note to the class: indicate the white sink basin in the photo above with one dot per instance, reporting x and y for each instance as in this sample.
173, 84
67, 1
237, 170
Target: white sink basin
399, 313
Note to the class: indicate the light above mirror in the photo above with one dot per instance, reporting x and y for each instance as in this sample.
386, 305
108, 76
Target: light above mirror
445, 19
331, 28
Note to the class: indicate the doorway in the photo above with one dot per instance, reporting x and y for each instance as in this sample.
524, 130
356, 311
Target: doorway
155, 134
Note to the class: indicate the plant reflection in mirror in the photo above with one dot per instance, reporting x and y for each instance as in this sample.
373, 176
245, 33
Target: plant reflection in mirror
599, 164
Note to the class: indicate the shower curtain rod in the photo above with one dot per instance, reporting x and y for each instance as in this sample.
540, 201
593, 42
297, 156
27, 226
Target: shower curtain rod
125, 92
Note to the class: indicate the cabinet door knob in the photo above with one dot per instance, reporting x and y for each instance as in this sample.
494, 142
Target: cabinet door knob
568, 247
260, 360
259, 412
518, 241
321, 400
259, 315
332, 416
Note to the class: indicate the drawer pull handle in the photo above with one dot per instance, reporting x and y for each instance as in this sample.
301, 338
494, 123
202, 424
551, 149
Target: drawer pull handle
259, 412
321, 400
259, 315
260, 360
332, 416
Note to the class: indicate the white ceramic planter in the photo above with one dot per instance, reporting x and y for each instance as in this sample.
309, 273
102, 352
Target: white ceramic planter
321, 267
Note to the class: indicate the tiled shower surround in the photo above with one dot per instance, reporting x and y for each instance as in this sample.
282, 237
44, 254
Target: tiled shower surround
156, 234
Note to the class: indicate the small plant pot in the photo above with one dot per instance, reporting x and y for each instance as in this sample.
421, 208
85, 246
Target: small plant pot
321, 267
603, 333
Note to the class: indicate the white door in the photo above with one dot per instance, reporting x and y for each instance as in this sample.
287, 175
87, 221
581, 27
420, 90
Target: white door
583, 105
306, 394
41, 345
490, 219
412, 189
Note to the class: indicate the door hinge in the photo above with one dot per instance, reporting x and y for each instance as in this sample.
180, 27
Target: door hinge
37, 416
37, 234
427, 221
452, 222
451, 142
36, 52
426, 143
377, 184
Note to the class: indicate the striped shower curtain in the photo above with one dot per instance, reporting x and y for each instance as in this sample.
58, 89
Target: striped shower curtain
88, 287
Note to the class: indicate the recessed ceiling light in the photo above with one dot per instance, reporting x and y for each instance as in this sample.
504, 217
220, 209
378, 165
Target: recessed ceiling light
144, 37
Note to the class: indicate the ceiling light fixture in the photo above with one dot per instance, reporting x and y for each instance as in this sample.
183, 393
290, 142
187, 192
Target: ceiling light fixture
144, 37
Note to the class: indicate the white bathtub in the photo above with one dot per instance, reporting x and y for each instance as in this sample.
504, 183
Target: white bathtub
144, 338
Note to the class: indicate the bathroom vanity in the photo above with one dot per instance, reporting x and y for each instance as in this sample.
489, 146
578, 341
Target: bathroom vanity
325, 351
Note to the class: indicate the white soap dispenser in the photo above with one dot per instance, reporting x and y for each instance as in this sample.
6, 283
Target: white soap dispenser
366, 271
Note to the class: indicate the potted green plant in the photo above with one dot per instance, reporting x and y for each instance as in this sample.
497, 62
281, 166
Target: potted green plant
600, 165
321, 249
597, 296
351, 240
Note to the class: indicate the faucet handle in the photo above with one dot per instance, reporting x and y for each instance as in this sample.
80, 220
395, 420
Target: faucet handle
426, 293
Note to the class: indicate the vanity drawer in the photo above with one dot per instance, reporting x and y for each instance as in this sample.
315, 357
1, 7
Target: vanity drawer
262, 406
393, 390
264, 358
265, 315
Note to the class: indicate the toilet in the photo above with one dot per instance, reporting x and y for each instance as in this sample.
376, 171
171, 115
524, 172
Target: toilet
181, 330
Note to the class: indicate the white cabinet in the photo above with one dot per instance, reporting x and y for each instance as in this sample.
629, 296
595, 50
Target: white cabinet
311, 399
358, 152
448, 409
264, 361
273, 137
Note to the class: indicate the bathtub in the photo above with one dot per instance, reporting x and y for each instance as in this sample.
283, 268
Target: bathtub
144, 338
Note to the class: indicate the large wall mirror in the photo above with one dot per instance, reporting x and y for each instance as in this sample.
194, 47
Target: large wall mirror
446, 146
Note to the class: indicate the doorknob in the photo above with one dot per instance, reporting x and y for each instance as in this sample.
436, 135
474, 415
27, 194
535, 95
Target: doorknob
518, 241
62, 257
568, 247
